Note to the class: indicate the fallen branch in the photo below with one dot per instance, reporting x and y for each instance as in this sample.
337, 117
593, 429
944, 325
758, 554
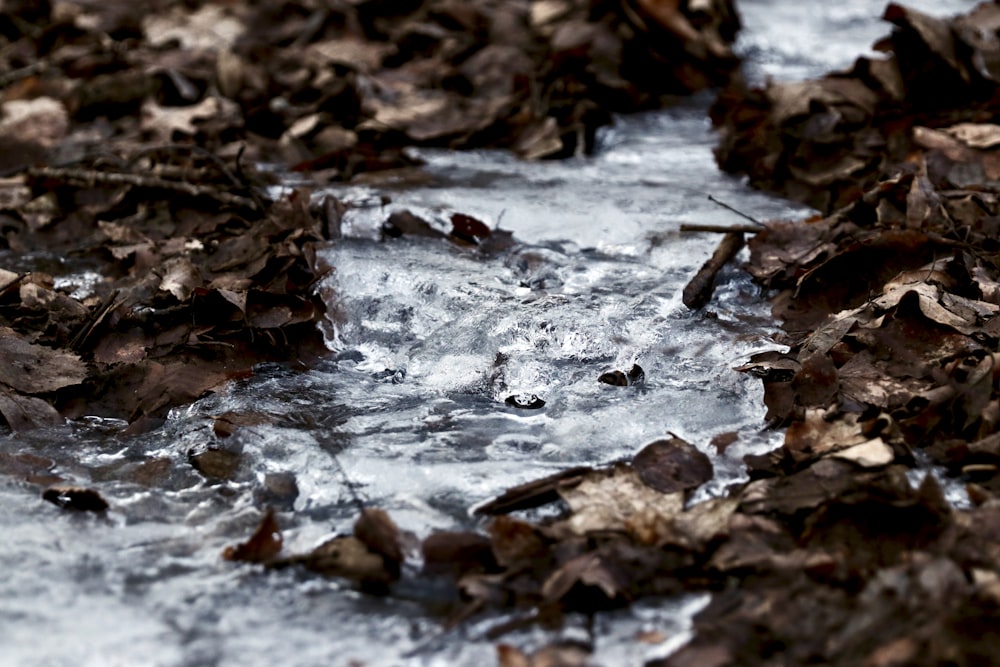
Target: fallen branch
698, 292
738, 212
88, 178
34, 69
720, 229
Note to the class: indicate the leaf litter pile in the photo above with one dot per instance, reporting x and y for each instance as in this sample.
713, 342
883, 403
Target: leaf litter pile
834, 551
132, 132
137, 130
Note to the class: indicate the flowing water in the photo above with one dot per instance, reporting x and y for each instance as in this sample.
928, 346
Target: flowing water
409, 412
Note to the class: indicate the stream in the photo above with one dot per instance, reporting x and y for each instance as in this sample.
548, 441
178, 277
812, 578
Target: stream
408, 413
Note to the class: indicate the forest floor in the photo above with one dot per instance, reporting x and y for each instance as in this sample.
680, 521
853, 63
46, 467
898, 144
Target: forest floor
133, 137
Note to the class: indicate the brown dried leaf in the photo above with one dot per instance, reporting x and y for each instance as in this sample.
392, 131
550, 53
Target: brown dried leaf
346, 557
379, 533
24, 413
586, 570
612, 502
868, 381
976, 135
816, 384
514, 541
822, 432
871, 454
535, 493
167, 124
946, 309
262, 547
210, 27
568, 655
672, 465
35, 369
457, 553
180, 278
668, 14
703, 523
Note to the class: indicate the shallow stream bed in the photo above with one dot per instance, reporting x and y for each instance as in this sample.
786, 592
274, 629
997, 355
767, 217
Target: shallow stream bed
409, 412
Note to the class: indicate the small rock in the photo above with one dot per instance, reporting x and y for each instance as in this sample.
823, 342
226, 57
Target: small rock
215, 463
75, 498
672, 465
279, 490
614, 378
635, 375
524, 401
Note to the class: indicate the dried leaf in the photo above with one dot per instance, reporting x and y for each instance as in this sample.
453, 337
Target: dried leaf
872, 454
672, 465
822, 432
535, 493
346, 557
24, 413
379, 533
262, 547
586, 570
457, 553
609, 502
35, 369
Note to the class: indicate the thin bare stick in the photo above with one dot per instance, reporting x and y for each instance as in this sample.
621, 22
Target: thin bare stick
237, 181
719, 229
90, 178
100, 313
37, 67
736, 211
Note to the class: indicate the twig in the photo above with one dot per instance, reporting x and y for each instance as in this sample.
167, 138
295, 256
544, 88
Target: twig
736, 211
87, 329
34, 68
450, 624
699, 291
359, 504
238, 181
90, 178
720, 229
533, 494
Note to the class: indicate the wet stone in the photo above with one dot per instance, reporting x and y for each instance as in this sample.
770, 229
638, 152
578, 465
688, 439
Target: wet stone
29, 468
214, 462
614, 378
349, 355
278, 490
75, 498
525, 402
635, 375
396, 376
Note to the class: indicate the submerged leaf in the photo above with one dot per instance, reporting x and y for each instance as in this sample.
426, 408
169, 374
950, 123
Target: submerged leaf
262, 547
